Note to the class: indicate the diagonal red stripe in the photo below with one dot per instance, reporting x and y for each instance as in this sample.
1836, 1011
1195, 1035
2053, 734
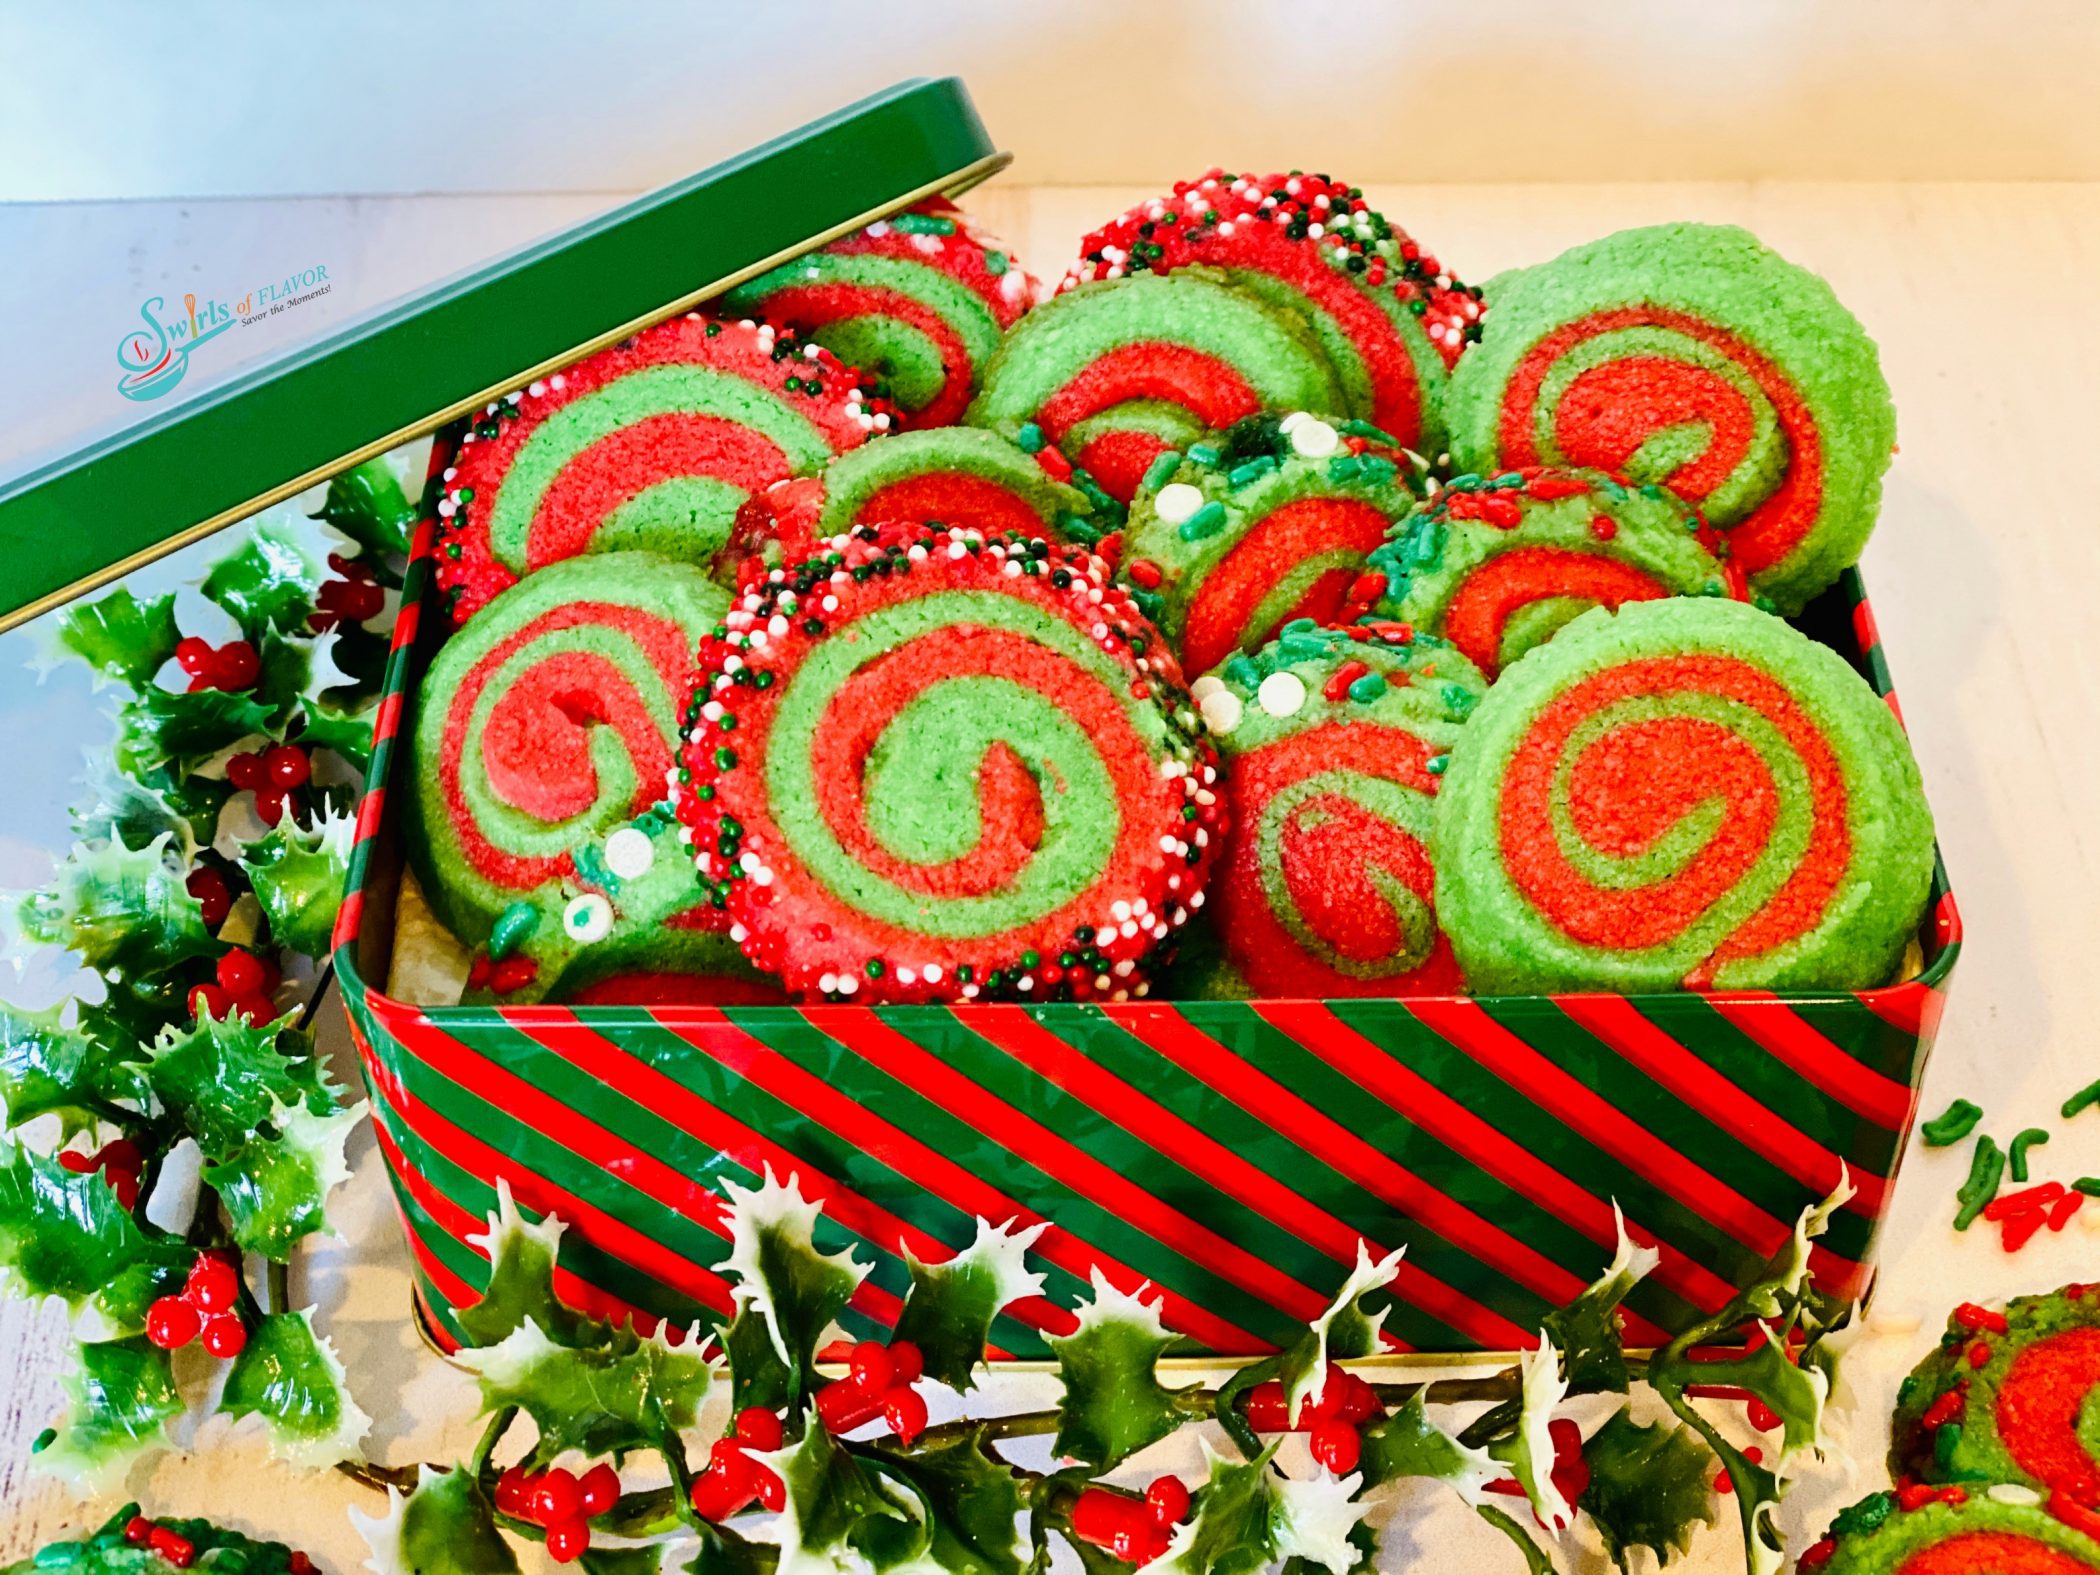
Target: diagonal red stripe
1166, 1031
1377, 1072
1776, 1027
1465, 1025
874, 1041
1617, 1023
1035, 1047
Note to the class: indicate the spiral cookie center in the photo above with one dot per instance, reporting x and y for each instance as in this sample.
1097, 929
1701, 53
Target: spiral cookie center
1296, 562
2041, 1402
1994, 1552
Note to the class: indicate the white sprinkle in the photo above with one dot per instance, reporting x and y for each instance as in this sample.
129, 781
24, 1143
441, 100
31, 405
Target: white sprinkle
1281, 694
1221, 710
2013, 1493
587, 918
827, 983
933, 973
907, 976
1314, 439
1176, 501
1206, 686
1120, 909
629, 852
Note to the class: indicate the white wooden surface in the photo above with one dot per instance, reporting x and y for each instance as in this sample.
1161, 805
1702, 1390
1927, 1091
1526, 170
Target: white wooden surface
1984, 572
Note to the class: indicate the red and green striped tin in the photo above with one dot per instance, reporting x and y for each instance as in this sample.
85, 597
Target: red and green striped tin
1231, 1153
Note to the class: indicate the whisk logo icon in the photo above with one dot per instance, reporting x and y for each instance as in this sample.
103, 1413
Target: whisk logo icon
155, 357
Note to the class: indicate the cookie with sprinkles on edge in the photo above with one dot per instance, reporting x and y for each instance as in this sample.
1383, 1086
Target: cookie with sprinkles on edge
649, 446
1269, 520
1101, 379
1695, 356
1686, 793
1335, 743
1390, 318
930, 764
1498, 564
1996, 1529
917, 301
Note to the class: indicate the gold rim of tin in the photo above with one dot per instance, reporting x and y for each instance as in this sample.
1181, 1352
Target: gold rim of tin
952, 185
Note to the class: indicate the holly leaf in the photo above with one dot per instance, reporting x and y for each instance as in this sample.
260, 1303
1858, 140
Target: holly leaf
444, 1526
1407, 1443
224, 1078
798, 1291
64, 1234
347, 733
1530, 1448
1586, 1331
1535, 1560
723, 1552
275, 1188
298, 874
969, 1501
1362, 1536
1248, 1515
757, 1375
624, 1393
122, 638
645, 1558
949, 1310
289, 1376
123, 910
135, 810
120, 1397
268, 583
368, 505
521, 1280
1344, 1330
157, 727
47, 1068
1113, 1403
838, 1515
1649, 1485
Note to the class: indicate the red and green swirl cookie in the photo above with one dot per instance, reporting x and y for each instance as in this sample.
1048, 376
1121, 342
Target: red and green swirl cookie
2009, 1397
1101, 380
931, 764
1693, 356
1498, 564
949, 475
1334, 742
651, 447
547, 721
918, 301
1270, 520
1389, 318
1684, 793
2002, 1529
628, 925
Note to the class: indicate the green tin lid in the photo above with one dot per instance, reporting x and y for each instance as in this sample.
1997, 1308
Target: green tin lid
407, 369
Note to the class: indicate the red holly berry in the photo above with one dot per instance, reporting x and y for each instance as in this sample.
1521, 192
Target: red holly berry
78, 1163
245, 771
870, 1365
1336, 1446
213, 1285
286, 766
600, 1489
566, 1539
1168, 1500
226, 1336
556, 1497
905, 1412
244, 973
727, 1457
256, 1009
235, 666
193, 655
271, 804
514, 1492
213, 895
758, 1428
172, 1322
772, 1491
907, 1362
209, 1001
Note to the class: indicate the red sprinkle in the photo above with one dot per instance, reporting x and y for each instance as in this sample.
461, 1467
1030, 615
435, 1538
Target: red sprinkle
1548, 488
1342, 677
1916, 1495
1974, 1318
512, 974
2019, 1232
1819, 1555
1949, 1406
2027, 1200
2063, 1208
2074, 1514
1145, 573
1054, 463
1604, 527
1979, 1354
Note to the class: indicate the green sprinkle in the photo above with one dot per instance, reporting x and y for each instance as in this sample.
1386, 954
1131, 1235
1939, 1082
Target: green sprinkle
874, 967
1864, 1516
725, 758
1162, 467
1203, 453
1945, 1440
58, 1555
1951, 1125
1344, 467
995, 264
2089, 1185
922, 224
1365, 430
1253, 470
1437, 765
1206, 521
2088, 1095
1367, 688
2020, 1145
43, 1441
513, 925
1986, 1170
1031, 438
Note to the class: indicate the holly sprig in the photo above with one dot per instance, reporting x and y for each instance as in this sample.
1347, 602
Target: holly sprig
209, 862
817, 1473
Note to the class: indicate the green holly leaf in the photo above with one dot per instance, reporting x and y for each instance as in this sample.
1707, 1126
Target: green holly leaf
47, 1068
757, 1375
723, 1552
368, 505
1535, 1560
521, 1280
267, 583
226, 1078
969, 1502
346, 733
445, 1526
63, 1234
123, 910
1586, 1331
122, 638
1649, 1485
1362, 1536
838, 1514
949, 1310
289, 1376
1529, 1450
1346, 1329
1407, 1443
625, 1393
798, 1291
120, 1397
298, 874
1113, 1403
1248, 1515
157, 727
137, 810
645, 1558
275, 1188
